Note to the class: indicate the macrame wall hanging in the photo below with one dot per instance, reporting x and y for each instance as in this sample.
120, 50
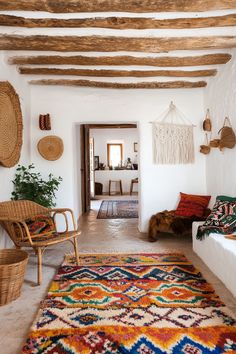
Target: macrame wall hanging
173, 138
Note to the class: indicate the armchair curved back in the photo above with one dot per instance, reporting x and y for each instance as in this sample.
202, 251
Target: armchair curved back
15, 210
21, 209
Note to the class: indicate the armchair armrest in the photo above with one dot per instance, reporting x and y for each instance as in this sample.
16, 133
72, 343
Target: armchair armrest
11, 225
63, 211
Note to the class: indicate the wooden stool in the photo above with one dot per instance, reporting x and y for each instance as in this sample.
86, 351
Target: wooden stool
119, 183
134, 180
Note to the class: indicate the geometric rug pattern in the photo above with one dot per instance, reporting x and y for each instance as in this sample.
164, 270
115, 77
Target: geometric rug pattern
118, 209
131, 303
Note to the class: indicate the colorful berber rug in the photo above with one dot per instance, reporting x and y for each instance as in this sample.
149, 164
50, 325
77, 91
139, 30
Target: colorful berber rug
133, 303
118, 209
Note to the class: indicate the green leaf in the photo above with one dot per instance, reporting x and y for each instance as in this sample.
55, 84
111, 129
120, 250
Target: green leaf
30, 185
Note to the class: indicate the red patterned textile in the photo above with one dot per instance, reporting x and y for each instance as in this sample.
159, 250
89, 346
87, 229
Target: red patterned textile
192, 205
39, 224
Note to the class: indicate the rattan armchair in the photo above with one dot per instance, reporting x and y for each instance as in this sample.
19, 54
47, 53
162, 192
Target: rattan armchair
13, 215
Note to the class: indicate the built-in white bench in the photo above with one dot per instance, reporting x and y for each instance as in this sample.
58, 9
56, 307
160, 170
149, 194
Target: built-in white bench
219, 254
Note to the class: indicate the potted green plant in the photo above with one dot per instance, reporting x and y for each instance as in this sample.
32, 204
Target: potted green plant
30, 185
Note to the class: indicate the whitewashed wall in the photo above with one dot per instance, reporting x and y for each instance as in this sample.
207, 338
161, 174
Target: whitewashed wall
220, 98
126, 137
159, 185
9, 73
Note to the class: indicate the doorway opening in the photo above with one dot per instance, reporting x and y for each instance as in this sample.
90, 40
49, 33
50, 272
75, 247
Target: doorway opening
109, 163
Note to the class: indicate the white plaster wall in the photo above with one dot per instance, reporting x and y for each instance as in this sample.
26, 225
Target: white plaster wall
9, 73
125, 176
102, 137
220, 98
159, 186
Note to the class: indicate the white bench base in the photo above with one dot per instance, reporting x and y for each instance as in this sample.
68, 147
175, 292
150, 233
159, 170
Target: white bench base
219, 254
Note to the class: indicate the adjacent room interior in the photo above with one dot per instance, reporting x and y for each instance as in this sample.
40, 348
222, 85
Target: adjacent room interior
114, 168
117, 169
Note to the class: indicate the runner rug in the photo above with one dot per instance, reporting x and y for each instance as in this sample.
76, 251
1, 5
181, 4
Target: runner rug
136, 303
118, 209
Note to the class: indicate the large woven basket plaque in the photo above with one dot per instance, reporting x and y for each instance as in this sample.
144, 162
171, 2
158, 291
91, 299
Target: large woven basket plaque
10, 125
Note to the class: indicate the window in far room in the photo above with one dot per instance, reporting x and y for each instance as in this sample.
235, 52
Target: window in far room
114, 154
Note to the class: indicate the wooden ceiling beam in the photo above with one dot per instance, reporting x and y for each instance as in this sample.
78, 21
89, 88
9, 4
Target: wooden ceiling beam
71, 6
208, 59
120, 22
112, 126
116, 73
115, 85
113, 44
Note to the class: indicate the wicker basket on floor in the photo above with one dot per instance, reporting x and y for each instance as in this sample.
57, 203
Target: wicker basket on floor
12, 271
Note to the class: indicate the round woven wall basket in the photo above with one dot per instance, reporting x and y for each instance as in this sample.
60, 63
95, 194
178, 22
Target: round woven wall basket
51, 147
10, 125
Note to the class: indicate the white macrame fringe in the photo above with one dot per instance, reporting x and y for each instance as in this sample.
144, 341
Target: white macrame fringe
172, 143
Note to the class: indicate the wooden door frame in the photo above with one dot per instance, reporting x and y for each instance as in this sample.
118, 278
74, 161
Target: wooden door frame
85, 182
84, 168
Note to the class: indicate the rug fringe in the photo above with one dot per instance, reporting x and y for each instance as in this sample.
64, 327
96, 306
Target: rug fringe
126, 252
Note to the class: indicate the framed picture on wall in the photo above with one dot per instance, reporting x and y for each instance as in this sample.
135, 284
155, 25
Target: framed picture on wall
96, 162
135, 147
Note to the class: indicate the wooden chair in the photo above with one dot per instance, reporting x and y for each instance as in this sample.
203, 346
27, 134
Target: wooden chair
119, 182
13, 216
134, 180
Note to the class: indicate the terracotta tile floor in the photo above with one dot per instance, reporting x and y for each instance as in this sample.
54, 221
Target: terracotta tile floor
97, 236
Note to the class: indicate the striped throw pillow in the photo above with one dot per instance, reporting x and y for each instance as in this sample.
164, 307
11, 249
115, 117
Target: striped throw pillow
192, 205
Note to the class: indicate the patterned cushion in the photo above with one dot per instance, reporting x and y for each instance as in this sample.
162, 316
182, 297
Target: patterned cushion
221, 220
39, 224
192, 205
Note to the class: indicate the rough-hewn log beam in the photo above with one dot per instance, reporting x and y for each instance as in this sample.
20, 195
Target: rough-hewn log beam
208, 59
120, 22
117, 5
107, 44
112, 126
116, 85
116, 73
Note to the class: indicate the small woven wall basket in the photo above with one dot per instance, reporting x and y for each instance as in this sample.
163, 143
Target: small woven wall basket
45, 121
51, 147
205, 148
207, 126
10, 125
12, 271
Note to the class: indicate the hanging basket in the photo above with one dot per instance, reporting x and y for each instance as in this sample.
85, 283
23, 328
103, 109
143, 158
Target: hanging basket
227, 135
51, 147
215, 143
207, 126
44, 122
205, 149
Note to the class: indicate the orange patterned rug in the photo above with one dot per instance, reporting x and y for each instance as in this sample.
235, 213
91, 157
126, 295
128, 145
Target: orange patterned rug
131, 303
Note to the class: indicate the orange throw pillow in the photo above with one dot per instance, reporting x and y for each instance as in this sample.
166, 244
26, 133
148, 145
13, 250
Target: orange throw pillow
192, 205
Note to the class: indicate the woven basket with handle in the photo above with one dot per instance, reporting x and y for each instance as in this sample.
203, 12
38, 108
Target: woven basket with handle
227, 135
205, 149
207, 122
12, 271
